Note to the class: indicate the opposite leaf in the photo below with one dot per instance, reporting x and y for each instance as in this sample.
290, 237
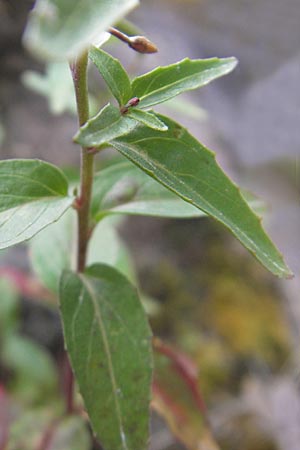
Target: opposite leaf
164, 83
61, 29
33, 194
178, 161
147, 118
108, 124
109, 343
113, 73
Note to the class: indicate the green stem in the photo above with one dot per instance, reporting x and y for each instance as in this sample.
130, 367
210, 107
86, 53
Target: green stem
79, 73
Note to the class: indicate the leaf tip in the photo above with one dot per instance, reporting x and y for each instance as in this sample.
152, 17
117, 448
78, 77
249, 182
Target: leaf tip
232, 62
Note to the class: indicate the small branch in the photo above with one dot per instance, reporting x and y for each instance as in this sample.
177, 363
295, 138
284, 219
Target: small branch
138, 43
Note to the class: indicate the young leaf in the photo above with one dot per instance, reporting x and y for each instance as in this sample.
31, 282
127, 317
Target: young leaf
108, 340
33, 194
61, 29
108, 124
147, 118
178, 161
164, 83
59, 240
113, 73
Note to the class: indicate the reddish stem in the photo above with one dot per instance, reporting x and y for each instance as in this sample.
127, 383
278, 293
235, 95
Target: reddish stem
68, 382
185, 367
169, 401
46, 440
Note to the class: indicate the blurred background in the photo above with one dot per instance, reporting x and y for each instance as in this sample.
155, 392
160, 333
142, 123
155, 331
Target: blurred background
210, 300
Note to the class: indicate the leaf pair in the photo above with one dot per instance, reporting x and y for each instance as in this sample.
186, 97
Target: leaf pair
157, 86
162, 83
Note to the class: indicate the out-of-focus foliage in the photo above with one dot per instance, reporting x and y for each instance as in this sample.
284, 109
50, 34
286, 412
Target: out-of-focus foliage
69, 433
177, 398
56, 85
229, 327
27, 370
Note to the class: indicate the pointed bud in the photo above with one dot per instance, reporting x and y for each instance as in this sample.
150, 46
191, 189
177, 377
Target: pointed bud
142, 45
133, 102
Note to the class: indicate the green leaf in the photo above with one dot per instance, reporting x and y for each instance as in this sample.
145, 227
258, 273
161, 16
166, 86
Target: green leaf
113, 73
147, 118
59, 241
61, 29
178, 161
164, 83
106, 246
33, 194
108, 124
109, 343
125, 189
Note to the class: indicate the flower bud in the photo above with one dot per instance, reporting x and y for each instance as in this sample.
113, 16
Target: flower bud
142, 45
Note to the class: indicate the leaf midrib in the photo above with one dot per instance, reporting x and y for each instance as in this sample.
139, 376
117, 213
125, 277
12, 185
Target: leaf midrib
251, 244
36, 200
33, 181
174, 84
107, 350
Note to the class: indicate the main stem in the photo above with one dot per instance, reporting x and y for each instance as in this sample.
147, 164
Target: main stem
79, 73
83, 202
